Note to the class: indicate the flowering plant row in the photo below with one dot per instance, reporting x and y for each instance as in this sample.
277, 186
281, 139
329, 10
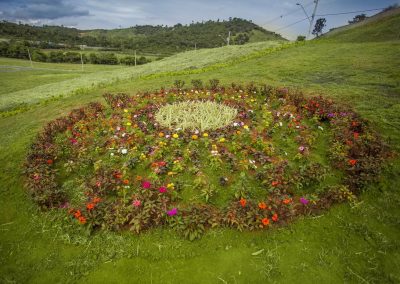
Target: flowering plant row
282, 156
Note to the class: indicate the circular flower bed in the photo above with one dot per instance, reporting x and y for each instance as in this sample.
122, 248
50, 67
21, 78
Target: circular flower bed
248, 158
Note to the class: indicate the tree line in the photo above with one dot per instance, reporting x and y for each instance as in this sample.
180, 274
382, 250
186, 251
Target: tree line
19, 49
155, 39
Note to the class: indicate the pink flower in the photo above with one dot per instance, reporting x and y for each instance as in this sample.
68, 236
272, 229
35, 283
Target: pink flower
136, 203
172, 212
304, 201
162, 189
146, 184
73, 141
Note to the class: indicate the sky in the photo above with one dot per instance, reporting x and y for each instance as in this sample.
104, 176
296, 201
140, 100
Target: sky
91, 14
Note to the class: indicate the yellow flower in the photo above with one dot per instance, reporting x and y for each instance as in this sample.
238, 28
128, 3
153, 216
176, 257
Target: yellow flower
238, 132
246, 127
205, 134
194, 137
170, 186
125, 110
175, 135
222, 140
128, 124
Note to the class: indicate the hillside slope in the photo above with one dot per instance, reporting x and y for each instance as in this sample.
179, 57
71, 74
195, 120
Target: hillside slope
383, 26
146, 38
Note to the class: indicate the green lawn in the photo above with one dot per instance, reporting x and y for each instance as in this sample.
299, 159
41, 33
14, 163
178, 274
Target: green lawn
352, 244
17, 74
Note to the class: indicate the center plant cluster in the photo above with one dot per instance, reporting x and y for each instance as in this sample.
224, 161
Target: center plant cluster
283, 155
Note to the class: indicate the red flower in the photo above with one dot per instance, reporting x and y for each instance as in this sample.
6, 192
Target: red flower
265, 221
275, 217
287, 201
82, 220
262, 205
356, 135
117, 175
78, 214
352, 162
49, 161
274, 183
90, 206
96, 199
243, 202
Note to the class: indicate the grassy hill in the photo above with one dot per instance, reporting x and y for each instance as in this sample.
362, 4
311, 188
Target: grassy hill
155, 39
357, 243
380, 27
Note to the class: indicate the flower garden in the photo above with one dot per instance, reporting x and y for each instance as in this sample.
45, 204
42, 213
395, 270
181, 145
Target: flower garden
249, 158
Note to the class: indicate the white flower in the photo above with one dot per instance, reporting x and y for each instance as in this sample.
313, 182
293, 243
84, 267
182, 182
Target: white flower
235, 124
124, 151
280, 123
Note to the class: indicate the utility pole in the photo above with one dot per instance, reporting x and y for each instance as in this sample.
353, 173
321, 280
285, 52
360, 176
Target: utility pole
135, 57
195, 46
229, 38
313, 16
30, 58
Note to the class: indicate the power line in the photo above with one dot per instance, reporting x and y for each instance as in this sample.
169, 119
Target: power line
290, 25
289, 13
344, 13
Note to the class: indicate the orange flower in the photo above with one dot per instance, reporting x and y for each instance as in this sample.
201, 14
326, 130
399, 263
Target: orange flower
161, 134
90, 206
125, 181
275, 217
274, 183
262, 205
287, 201
82, 220
139, 178
243, 202
352, 162
265, 221
78, 214
118, 175
96, 199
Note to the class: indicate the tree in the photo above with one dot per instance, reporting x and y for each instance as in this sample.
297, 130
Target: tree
301, 38
358, 18
319, 26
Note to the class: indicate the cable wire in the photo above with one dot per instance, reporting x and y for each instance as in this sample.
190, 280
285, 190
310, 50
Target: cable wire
345, 13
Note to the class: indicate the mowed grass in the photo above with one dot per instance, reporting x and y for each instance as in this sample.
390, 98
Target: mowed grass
357, 243
18, 74
189, 60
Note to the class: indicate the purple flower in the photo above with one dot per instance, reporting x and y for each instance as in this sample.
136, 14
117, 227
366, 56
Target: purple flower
304, 201
302, 148
331, 115
172, 212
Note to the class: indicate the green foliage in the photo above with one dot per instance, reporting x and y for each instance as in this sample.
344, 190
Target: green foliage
153, 39
319, 26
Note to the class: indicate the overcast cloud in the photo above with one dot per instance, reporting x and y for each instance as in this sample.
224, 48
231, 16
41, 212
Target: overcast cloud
90, 14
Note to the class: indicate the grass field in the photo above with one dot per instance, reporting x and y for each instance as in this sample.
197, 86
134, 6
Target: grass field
108, 75
351, 244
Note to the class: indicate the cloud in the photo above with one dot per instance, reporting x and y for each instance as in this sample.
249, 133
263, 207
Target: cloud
43, 10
